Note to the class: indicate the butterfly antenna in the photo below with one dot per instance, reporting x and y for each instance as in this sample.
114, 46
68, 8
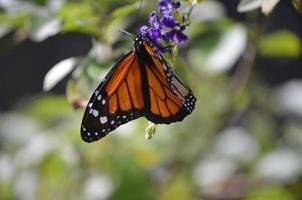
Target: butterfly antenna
139, 8
137, 13
126, 32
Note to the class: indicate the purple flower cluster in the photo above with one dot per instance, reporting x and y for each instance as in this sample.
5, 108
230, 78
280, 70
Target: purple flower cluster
166, 27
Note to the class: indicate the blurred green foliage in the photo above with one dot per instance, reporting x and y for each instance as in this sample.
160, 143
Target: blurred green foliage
280, 44
232, 146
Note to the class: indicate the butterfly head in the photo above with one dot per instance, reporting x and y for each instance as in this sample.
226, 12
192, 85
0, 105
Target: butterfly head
138, 41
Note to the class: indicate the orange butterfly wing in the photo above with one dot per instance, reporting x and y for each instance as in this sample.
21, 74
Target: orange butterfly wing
170, 99
117, 100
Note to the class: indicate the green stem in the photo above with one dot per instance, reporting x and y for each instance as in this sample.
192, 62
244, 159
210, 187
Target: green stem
190, 12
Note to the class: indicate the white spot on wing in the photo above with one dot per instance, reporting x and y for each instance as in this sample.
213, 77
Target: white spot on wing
95, 113
103, 120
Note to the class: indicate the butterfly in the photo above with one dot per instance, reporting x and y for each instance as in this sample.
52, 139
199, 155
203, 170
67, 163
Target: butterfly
140, 84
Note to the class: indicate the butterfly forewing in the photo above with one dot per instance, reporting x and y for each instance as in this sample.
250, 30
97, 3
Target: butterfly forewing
117, 100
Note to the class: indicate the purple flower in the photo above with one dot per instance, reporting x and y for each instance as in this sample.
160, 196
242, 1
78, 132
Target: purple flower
178, 35
153, 20
154, 32
144, 30
166, 28
167, 6
168, 21
155, 35
174, 30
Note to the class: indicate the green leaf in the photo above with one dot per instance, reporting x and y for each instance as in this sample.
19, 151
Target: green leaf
43, 108
78, 11
16, 21
180, 188
270, 193
179, 17
81, 18
6, 190
40, 2
132, 180
83, 28
280, 44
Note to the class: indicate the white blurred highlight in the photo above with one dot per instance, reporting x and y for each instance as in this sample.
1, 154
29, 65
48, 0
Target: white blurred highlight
26, 185
7, 168
228, 51
268, 6
126, 130
48, 29
207, 11
282, 165
210, 173
97, 188
235, 142
230, 47
101, 52
58, 72
36, 149
249, 5
287, 98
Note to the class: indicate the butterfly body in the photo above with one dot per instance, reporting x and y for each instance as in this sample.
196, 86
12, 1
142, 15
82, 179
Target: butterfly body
140, 84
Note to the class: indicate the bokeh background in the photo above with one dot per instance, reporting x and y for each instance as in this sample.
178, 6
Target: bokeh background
243, 141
